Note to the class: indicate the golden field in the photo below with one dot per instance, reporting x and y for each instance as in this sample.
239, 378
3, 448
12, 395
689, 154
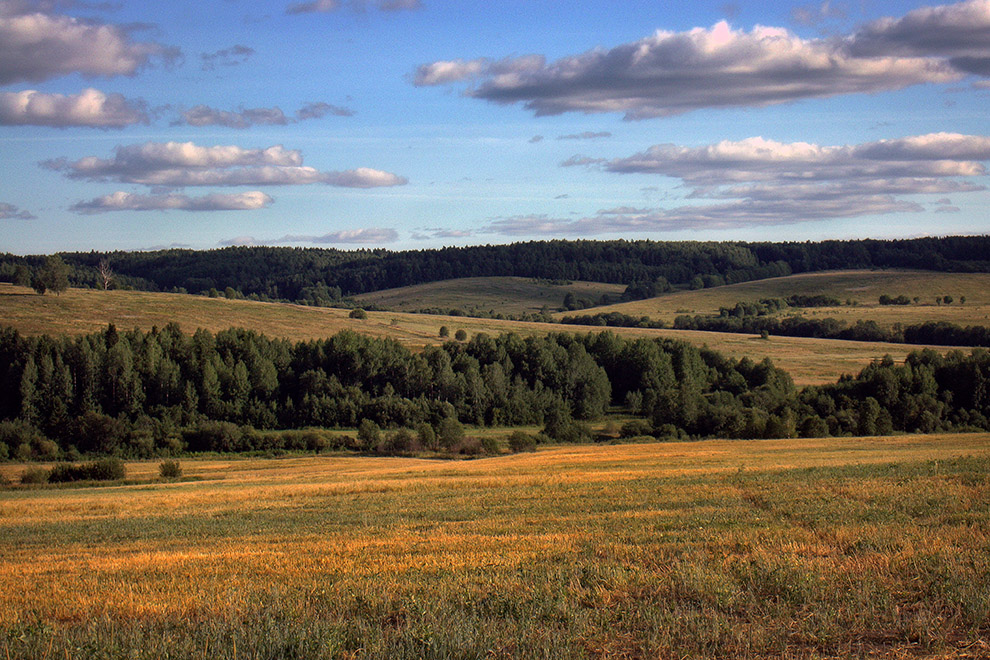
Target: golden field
513, 296
862, 287
843, 547
81, 311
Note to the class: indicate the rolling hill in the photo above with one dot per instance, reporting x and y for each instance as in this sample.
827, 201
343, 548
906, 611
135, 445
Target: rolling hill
488, 295
862, 288
81, 311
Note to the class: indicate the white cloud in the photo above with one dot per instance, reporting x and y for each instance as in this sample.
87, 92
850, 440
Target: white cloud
444, 72
11, 212
958, 31
670, 73
90, 107
759, 182
123, 201
37, 45
175, 164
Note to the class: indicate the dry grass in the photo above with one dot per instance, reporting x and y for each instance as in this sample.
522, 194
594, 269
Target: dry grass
863, 286
502, 295
80, 311
785, 549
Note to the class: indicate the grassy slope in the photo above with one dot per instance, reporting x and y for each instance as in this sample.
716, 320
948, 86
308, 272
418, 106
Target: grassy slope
80, 311
862, 286
503, 295
842, 547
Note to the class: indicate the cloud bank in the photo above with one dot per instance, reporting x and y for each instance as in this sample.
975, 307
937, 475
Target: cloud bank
670, 73
123, 201
180, 164
757, 182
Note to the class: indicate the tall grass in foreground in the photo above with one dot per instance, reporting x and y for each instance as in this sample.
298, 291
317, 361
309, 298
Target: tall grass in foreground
794, 549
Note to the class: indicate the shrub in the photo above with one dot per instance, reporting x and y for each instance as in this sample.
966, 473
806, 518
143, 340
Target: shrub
169, 469
369, 435
426, 435
358, 313
444, 331
103, 469
636, 427
34, 475
451, 433
460, 335
489, 445
213, 436
520, 441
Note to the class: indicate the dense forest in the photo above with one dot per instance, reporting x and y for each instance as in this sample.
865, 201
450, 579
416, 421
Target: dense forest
150, 393
322, 276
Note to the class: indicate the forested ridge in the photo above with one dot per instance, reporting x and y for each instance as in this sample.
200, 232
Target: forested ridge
323, 276
145, 393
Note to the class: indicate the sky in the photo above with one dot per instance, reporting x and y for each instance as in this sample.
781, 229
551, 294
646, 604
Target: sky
411, 124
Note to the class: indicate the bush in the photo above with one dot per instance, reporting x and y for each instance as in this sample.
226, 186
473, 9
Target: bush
169, 469
103, 469
444, 331
35, 475
358, 314
460, 335
451, 433
369, 435
520, 441
489, 445
213, 436
635, 428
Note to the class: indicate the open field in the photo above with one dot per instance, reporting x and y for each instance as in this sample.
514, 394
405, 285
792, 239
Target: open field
863, 286
80, 311
497, 295
847, 547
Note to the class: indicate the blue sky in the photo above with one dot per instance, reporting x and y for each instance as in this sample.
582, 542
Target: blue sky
412, 124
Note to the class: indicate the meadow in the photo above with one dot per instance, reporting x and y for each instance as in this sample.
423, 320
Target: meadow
83, 311
844, 547
513, 296
861, 287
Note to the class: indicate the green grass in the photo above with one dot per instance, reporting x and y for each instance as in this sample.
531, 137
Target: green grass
746, 549
861, 286
513, 296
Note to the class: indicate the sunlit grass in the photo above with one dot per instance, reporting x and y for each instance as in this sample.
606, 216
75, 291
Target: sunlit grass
863, 287
778, 548
80, 311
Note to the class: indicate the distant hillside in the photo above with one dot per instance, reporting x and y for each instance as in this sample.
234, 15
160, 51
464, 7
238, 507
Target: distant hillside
489, 296
862, 288
322, 276
81, 311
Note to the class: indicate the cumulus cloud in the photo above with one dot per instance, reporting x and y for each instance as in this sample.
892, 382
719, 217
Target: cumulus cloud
179, 164
757, 182
123, 201
236, 54
587, 135
11, 212
203, 115
90, 107
37, 45
670, 73
960, 32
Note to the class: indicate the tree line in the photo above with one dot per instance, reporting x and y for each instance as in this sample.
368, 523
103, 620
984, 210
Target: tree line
146, 393
325, 276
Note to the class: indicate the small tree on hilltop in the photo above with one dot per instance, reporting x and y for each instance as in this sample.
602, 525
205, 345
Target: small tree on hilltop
53, 276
